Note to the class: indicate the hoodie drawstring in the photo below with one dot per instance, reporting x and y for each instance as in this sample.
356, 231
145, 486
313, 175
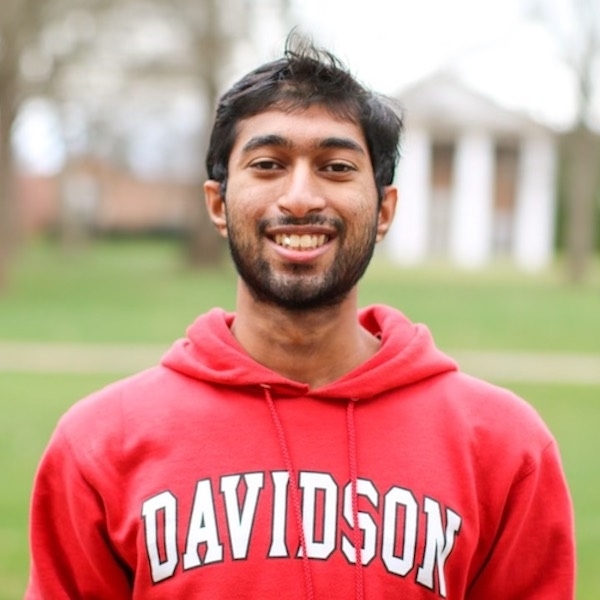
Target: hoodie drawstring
308, 584
353, 464
356, 536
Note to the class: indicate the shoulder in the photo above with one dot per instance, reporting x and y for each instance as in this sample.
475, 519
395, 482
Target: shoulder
102, 419
492, 407
503, 426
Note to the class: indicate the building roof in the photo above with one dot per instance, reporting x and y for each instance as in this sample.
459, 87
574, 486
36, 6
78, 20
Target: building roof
444, 104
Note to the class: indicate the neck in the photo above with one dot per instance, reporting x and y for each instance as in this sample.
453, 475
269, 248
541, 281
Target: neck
313, 347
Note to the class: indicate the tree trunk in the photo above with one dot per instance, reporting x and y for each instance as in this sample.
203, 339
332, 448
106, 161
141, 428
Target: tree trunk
204, 247
581, 156
8, 201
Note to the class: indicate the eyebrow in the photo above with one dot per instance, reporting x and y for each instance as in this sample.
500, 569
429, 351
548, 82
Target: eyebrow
274, 140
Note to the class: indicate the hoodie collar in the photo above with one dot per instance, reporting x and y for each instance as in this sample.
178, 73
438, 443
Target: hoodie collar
406, 356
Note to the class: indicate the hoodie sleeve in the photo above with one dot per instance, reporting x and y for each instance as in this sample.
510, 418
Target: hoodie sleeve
71, 557
533, 554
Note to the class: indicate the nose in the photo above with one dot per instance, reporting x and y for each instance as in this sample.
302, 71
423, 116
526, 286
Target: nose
302, 193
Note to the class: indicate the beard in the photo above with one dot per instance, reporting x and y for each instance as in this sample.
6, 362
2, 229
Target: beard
297, 288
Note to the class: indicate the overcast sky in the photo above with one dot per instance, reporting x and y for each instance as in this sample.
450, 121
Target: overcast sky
391, 43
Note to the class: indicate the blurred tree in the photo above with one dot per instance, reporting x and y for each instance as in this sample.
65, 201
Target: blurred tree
575, 26
17, 19
105, 64
29, 60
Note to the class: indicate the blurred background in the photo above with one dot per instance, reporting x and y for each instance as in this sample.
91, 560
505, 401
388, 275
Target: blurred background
105, 108
106, 254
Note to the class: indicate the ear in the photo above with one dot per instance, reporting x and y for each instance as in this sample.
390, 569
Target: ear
215, 204
386, 210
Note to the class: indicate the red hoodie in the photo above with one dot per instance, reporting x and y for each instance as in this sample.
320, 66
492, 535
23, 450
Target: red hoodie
211, 476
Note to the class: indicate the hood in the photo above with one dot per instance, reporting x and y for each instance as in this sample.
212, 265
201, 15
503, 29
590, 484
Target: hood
406, 356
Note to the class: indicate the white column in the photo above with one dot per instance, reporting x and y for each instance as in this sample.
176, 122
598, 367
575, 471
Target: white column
472, 201
535, 203
408, 237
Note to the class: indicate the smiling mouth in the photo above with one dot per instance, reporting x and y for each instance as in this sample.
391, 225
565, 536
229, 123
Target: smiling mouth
301, 242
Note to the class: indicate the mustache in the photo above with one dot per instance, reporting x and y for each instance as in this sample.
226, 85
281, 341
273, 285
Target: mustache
310, 219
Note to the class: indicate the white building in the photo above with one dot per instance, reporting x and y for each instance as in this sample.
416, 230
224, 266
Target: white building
476, 181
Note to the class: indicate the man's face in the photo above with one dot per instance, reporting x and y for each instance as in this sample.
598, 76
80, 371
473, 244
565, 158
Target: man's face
301, 207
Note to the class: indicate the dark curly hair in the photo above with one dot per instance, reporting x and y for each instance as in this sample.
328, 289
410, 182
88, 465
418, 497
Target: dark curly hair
304, 77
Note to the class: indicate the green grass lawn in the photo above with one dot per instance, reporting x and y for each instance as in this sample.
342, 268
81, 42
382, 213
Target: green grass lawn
140, 292
30, 405
112, 292
498, 309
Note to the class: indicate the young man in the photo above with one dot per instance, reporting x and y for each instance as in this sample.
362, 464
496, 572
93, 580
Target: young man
301, 447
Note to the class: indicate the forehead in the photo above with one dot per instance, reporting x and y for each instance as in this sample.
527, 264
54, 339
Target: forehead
302, 128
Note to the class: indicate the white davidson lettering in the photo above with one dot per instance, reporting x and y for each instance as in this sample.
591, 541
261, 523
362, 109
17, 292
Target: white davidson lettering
202, 530
278, 547
439, 544
240, 520
406, 536
399, 500
310, 484
365, 522
164, 504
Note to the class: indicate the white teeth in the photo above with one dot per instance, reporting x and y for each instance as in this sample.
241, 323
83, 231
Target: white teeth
300, 242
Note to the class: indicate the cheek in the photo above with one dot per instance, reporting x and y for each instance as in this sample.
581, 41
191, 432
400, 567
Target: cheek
364, 212
243, 216
246, 198
239, 208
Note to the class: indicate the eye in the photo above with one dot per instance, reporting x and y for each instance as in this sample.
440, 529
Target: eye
265, 164
339, 167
